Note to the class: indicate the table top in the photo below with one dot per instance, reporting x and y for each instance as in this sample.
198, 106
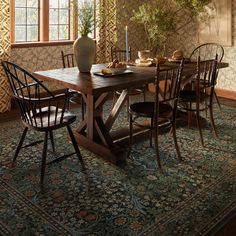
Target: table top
89, 83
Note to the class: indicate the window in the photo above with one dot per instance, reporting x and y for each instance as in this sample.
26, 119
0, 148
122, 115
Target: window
26, 20
59, 16
36, 21
40, 20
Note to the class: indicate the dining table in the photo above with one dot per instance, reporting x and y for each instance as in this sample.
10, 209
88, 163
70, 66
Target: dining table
97, 132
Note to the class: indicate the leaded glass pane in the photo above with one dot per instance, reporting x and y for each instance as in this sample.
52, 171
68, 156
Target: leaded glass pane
20, 33
63, 32
20, 16
63, 4
63, 17
32, 16
53, 32
32, 33
53, 16
53, 3
32, 3
20, 3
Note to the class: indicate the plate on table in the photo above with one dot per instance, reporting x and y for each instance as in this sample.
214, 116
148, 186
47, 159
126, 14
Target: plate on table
114, 73
186, 60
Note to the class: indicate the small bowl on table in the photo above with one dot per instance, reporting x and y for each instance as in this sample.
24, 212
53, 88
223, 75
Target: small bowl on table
144, 54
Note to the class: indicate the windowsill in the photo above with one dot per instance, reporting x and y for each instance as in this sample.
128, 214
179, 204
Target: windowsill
41, 44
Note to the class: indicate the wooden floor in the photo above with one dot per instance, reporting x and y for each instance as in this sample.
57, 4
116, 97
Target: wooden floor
227, 227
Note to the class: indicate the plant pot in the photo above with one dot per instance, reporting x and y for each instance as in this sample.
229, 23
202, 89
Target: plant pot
84, 51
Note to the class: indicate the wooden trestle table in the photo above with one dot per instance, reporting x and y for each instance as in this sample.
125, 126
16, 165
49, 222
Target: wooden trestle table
94, 133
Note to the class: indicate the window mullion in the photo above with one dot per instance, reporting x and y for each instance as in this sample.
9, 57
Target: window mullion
44, 20
12, 12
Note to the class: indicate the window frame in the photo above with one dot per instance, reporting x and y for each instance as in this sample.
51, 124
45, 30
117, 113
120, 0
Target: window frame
43, 33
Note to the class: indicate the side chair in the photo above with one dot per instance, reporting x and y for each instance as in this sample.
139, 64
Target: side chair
161, 111
77, 98
207, 51
200, 97
120, 55
41, 110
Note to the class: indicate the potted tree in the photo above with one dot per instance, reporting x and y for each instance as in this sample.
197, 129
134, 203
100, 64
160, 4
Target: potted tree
84, 47
161, 19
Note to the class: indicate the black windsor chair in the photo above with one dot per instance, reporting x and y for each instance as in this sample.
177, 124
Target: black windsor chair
43, 113
120, 55
200, 97
162, 111
208, 51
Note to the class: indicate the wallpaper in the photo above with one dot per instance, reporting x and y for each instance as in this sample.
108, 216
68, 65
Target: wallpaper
136, 37
49, 57
187, 41
5, 104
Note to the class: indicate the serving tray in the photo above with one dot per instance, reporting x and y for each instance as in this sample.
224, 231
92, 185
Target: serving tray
99, 73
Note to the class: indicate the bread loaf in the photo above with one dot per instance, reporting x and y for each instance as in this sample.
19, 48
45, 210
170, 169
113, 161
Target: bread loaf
177, 55
106, 71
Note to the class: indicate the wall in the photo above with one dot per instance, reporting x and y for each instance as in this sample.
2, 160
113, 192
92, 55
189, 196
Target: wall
187, 41
43, 58
135, 32
40, 58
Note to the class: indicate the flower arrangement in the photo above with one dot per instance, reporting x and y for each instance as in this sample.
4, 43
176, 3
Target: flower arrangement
86, 17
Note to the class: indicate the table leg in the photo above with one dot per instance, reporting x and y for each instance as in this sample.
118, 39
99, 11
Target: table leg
95, 135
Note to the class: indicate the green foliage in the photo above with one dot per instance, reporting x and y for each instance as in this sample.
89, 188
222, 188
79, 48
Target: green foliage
158, 22
86, 17
161, 19
194, 6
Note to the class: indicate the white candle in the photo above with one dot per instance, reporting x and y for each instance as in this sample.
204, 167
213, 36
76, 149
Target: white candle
126, 43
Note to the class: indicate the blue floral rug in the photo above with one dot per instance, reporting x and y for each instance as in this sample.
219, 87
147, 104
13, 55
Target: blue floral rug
135, 199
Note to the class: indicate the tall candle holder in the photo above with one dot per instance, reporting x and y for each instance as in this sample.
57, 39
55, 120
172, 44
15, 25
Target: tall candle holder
126, 43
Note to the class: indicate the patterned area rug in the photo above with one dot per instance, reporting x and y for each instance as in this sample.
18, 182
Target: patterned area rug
135, 199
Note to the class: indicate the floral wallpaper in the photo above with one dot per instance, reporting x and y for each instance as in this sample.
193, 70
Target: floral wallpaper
43, 58
5, 48
187, 41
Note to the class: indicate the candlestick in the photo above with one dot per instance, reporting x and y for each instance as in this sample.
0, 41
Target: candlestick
126, 43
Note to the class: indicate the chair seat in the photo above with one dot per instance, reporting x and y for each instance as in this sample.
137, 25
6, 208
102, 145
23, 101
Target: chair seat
147, 109
191, 96
50, 118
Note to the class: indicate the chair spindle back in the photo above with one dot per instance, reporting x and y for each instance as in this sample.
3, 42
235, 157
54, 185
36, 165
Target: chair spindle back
119, 54
67, 60
167, 84
206, 73
36, 110
208, 51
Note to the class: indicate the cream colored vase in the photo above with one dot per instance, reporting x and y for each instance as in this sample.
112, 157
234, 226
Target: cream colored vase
84, 50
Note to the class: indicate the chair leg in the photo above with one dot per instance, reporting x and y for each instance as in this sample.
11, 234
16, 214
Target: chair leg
190, 113
20, 145
156, 134
151, 133
127, 107
217, 99
144, 93
130, 134
44, 156
212, 118
52, 140
199, 125
175, 140
72, 137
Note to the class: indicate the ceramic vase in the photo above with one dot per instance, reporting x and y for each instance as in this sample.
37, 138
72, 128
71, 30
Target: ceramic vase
84, 51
